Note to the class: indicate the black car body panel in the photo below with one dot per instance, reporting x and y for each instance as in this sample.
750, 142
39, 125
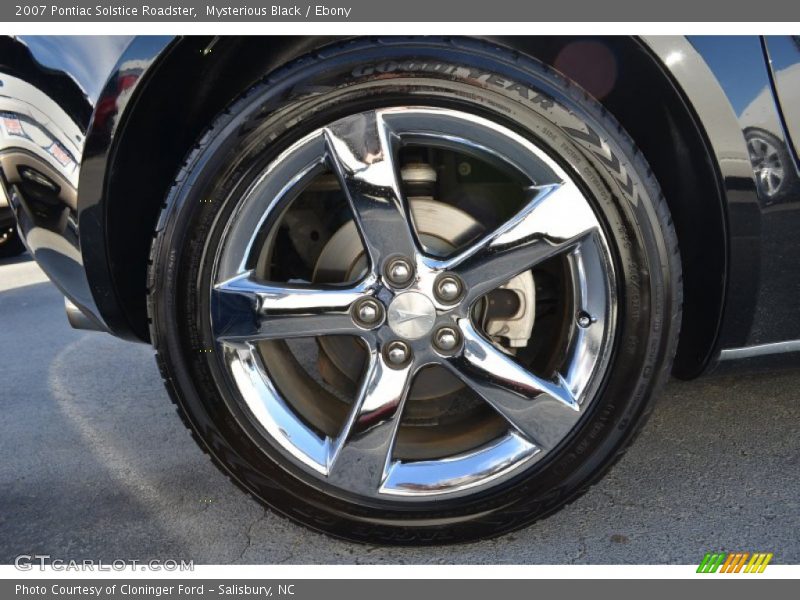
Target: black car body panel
89, 110
766, 230
783, 53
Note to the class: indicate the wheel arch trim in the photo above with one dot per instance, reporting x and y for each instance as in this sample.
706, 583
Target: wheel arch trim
117, 99
723, 132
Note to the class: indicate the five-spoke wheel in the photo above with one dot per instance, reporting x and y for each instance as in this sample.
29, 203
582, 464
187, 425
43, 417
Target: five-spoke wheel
412, 310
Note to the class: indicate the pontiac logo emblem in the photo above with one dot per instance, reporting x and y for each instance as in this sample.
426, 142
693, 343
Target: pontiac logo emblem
411, 315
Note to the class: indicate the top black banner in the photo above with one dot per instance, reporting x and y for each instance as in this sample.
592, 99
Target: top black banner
401, 11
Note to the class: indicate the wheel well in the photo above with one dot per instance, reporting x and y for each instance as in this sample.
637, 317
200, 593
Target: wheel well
200, 76
197, 77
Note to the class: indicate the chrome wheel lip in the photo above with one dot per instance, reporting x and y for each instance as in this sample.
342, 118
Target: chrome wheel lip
591, 268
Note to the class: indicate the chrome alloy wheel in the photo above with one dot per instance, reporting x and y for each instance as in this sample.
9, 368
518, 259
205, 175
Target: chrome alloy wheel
412, 309
766, 160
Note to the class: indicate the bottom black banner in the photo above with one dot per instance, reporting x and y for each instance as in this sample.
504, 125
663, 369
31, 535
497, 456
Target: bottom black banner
378, 589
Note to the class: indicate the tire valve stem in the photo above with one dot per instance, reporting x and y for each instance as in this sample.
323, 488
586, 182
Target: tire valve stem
585, 319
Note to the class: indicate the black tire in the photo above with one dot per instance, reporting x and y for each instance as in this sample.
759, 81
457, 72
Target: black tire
10, 244
473, 76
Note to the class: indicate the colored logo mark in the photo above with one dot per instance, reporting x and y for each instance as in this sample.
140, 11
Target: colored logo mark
734, 562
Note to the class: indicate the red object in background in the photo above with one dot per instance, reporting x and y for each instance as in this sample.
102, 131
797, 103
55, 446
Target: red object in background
13, 126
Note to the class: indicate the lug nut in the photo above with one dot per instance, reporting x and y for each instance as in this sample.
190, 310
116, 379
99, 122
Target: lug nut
584, 319
397, 353
367, 312
448, 289
399, 271
446, 339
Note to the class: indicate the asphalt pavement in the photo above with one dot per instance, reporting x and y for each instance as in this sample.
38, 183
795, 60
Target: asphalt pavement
96, 464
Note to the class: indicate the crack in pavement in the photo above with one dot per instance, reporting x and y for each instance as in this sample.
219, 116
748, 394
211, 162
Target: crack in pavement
249, 534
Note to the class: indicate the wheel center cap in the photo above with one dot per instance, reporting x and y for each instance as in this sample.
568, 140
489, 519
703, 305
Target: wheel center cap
411, 315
